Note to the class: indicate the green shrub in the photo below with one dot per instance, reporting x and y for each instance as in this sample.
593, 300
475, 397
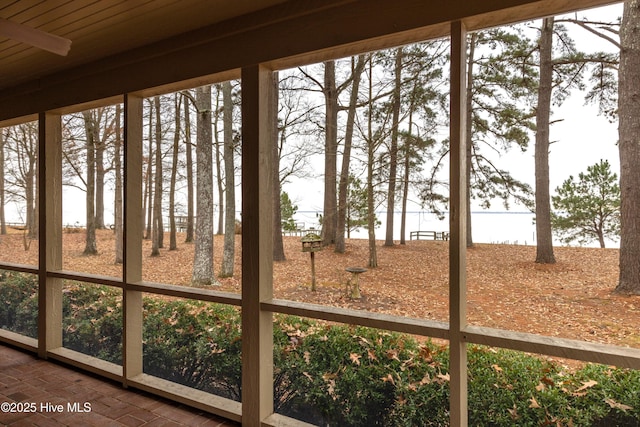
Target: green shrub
92, 320
343, 375
596, 395
332, 382
194, 343
501, 385
346, 375
334, 375
19, 303
27, 316
423, 390
287, 332
509, 388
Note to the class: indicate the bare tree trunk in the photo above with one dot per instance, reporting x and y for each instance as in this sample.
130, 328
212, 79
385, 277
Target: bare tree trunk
544, 250
145, 189
190, 213
173, 244
149, 202
329, 219
217, 144
36, 202
348, 220
26, 153
100, 176
629, 145
371, 225
601, 238
159, 176
228, 256
203, 253
469, 130
91, 134
278, 244
343, 187
371, 215
3, 224
393, 152
30, 197
31, 186
117, 217
157, 227
405, 179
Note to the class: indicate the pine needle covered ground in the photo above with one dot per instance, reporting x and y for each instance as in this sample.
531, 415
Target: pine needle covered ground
506, 288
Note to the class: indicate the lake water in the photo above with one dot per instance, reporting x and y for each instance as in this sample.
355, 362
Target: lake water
509, 227
517, 228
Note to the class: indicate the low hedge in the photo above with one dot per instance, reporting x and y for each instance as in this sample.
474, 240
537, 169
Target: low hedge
334, 375
19, 303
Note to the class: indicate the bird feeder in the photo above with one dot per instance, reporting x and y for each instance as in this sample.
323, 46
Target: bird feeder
312, 243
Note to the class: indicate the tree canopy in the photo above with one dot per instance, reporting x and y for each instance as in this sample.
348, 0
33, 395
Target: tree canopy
288, 210
588, 209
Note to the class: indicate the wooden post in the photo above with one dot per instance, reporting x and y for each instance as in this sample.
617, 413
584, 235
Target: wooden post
132, 235
353, 283
457, 227
355, 290
49, 232
313, 270
257, 244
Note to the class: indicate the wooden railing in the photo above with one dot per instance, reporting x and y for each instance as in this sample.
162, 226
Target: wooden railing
429, 235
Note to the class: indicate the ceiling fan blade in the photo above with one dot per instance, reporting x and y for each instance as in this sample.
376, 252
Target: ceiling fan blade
34, 37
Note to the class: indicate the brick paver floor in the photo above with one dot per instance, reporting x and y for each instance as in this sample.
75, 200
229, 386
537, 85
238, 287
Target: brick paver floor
35, 392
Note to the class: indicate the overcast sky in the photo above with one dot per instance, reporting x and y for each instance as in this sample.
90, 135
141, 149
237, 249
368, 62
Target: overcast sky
581, 138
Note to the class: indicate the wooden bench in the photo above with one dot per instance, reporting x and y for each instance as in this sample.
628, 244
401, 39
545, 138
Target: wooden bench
181, 222
429, 235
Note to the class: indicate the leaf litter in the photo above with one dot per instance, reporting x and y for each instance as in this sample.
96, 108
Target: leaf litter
506, 289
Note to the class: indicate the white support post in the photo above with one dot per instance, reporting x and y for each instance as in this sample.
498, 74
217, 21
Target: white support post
457, 219
257, 244
49, 232
132, 235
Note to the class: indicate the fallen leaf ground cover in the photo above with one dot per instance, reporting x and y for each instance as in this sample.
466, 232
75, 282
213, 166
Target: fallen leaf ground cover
506, 288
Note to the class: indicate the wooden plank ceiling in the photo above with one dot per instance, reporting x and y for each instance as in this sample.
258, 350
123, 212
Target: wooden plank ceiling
123, 46
100, 28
